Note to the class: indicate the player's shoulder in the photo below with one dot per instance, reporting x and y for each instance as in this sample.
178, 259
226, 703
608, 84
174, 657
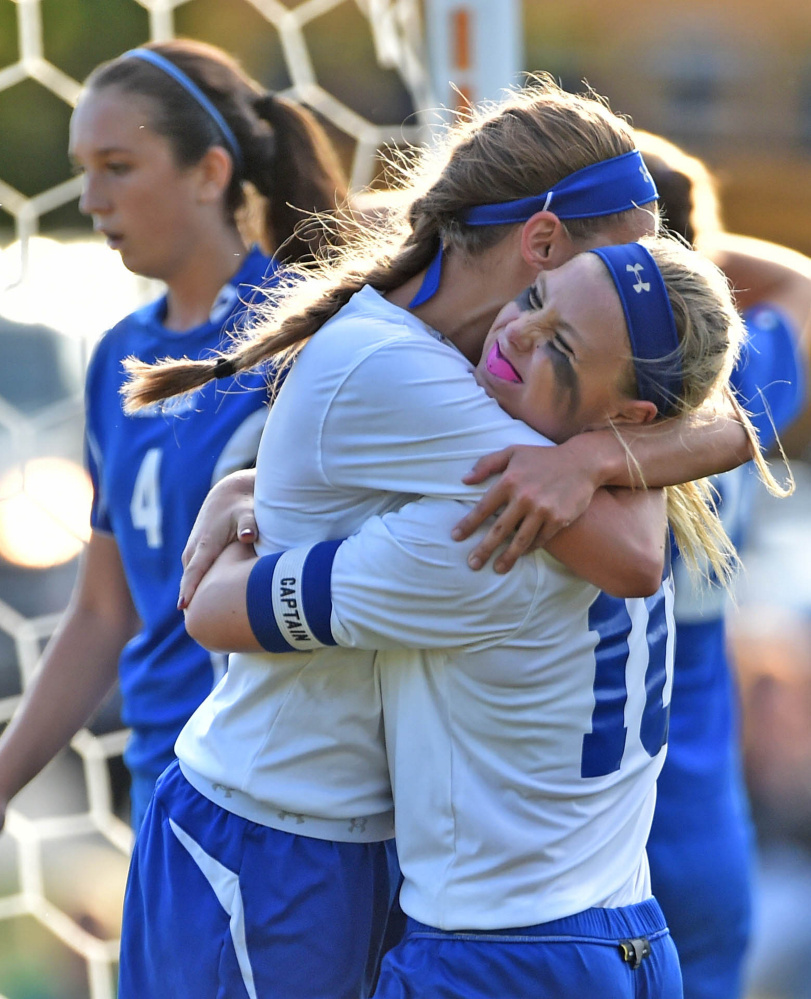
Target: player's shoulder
370, 322
371, 334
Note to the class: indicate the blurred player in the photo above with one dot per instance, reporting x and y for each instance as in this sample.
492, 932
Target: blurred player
166, 137
701, 843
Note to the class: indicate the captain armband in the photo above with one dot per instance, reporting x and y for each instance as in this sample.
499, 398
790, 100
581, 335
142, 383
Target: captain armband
289, 598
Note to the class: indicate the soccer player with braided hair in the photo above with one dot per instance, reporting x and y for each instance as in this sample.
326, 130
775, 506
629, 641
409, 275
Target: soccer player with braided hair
379, 407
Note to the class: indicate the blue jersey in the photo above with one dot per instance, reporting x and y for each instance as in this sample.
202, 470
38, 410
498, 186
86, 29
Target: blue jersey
151, 473
769, 380
700, 843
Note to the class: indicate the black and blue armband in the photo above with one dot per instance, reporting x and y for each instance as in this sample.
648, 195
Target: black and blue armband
289, 598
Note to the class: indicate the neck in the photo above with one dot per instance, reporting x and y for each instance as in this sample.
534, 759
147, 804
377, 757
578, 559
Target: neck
470, 295
193, 288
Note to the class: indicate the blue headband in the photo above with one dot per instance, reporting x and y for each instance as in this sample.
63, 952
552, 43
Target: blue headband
193, 91
651, 326
603, 188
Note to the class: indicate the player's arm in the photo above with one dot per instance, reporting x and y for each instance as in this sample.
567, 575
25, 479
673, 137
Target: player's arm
439, 424
225, 516
537, 485
762, 272
772, 287
397, 583
77, 670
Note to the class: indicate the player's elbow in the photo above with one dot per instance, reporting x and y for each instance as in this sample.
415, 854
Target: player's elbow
640, 576
198, 626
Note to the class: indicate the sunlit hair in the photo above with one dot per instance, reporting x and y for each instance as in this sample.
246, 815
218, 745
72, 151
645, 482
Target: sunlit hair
500, 151
688, 192
711, 333
691, 209
286, 158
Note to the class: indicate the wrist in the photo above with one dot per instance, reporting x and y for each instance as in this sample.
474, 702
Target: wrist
599, 454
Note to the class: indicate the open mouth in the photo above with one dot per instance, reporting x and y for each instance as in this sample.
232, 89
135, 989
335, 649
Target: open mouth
500, 367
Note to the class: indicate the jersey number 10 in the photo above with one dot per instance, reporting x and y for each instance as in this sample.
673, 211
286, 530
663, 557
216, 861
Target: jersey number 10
604, 746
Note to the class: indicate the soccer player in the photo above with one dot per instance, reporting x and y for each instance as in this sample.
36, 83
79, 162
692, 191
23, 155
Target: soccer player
295, 755
166, 137
524, 744
701, 842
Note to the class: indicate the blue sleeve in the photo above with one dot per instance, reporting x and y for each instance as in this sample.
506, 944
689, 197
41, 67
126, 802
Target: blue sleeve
99, 512
770, 376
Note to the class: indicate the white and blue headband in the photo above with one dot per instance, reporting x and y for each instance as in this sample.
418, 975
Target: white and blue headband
604, 188
191, 88
651, 325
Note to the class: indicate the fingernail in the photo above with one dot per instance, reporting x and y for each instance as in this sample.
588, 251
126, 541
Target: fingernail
456, 534
474, 562
181, 604
246, 532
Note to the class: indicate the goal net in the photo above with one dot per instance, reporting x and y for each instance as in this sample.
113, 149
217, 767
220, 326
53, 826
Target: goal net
65, 848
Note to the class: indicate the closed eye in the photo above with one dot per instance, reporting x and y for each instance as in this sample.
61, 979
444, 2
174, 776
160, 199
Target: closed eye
535, 300
559, 345
529, 300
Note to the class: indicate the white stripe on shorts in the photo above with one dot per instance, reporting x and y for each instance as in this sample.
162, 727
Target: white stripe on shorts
225, 885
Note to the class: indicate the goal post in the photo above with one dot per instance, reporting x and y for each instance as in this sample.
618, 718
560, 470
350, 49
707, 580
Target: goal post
475, 49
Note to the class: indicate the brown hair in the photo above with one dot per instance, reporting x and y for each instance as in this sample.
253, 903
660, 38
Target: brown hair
687, 190
501, 151
285, 154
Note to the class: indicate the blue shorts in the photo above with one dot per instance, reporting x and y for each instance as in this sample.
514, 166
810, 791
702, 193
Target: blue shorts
572, 958
141, 790
255, 913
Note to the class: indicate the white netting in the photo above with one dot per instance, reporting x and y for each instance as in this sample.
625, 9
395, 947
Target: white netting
63, 855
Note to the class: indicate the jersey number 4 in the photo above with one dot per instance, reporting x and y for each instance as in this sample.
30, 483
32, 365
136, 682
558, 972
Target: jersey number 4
604, 746
145, 506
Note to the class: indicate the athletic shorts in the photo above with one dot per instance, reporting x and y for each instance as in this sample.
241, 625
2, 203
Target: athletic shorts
623, 953
142, 788
217, 906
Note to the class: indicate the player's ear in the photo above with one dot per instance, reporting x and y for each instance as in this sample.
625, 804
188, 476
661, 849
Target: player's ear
214, 170
545, 244
635, 411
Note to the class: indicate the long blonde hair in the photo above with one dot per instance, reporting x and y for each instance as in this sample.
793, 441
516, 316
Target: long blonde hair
711, 334
501, 151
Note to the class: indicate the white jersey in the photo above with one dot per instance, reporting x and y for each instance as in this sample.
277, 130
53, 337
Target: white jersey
375, 411
524, 747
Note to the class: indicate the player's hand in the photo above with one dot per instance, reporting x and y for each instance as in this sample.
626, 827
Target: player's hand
541, 490
225, 516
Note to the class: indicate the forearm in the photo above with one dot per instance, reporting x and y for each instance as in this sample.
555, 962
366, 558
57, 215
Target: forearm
217, 615
619, 542
764, 272
396, 583
79, 667
664, 454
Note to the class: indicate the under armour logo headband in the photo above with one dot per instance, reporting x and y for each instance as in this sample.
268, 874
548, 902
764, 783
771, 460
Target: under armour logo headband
651, 326
191, 88
603, 188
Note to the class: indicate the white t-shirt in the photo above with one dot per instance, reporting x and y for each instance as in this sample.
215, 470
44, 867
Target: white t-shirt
375, 411
509, 810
